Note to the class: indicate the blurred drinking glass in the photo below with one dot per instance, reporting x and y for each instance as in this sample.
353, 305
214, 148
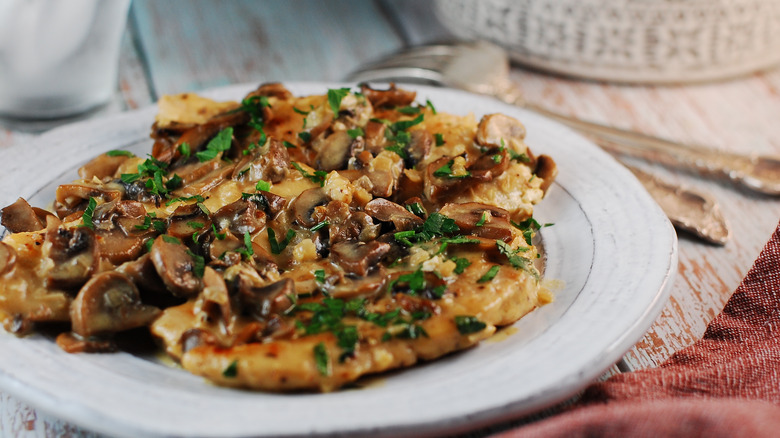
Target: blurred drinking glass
58, 58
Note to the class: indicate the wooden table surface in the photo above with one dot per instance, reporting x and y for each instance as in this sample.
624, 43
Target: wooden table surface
180, 45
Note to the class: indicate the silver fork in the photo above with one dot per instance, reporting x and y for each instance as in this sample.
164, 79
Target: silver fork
483, 68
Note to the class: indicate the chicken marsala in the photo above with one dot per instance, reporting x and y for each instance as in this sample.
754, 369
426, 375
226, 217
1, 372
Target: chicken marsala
288, 243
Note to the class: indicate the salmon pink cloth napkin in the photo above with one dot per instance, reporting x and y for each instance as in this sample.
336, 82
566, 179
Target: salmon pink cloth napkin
725, 385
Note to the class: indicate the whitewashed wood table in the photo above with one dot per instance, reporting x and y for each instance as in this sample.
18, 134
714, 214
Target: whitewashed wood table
182, 45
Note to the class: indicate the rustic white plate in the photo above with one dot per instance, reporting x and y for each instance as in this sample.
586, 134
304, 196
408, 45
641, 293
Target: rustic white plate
611, 249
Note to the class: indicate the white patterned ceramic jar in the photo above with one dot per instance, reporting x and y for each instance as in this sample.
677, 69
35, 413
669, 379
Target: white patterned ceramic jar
626, 40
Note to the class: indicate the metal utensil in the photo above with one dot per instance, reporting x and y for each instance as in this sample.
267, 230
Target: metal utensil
483, 68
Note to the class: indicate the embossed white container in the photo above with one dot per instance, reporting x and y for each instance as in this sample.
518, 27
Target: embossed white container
659, 41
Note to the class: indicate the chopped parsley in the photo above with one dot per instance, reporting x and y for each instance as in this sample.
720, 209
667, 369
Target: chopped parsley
220, 143
195, 225
416, 209
263, 186
232, 370
119, 153
446, 172
174, 182
318, 177
468, 324
217, 234
415, 281
86, 218
276, 246
319, 275
289, 145
196, 198
184, 150
198, 264
528, 227
489, 275
430, 106
335, 96
171, 239
301, 112
247, 251
305, 136
321, 359
461, 263
320, 226
439, 139
408, 110
152, 221
355, 133
403, 125
482, 219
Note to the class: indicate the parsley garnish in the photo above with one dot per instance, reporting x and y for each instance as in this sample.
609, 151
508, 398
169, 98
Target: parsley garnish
415, 281
469, 324
482, 220
489, 275
198, 265
196, 225
528, 227
320, 226
301, 112
278, 247
289, 145
398, 149
409, 110
318, 177
220, 143
232, 370
174, 182
321, 359
439, 139
335, 96
196, 198
355, 133
86, 218
118, 153
184, 150
171, 239
319, 275
263, 186
416, 209
446, 172
152, 221
305, 136
430, 105
247, 251
403, 125
217, 234
461, 264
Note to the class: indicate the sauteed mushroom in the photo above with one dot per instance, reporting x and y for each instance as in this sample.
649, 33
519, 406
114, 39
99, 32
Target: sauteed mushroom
74, 253
303, 206
109, 302
240, 217
262, 302
358, 257
388, 98
21, 217
547, 170
481, 219
388, 211
175, 267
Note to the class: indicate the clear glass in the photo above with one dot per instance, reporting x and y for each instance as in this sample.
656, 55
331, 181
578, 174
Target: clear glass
58, 58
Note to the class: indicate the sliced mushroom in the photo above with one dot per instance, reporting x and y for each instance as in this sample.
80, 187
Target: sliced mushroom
358, 257
144, 275
347, 224
102, 167
388, 98
186, 220
109, 302
387, 211
334, 150
368, 287
118, 247
240, 217
271, 164
271, 203
199, 136
74, 254
262, 302
214, 298
375, 136
547, 170
489, 166
420, 143
272, 89
72, 198
176, 267
437, 188
21, 217
303, 206
481, 220
72, 343
497, 130
7, 258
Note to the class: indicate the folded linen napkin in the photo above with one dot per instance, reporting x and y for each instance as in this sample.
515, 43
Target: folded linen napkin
726, 384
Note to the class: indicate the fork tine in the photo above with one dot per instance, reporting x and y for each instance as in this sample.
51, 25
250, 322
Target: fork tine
401, 74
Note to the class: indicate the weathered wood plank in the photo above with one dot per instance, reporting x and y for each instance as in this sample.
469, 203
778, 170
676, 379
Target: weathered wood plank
217, 43
738, 115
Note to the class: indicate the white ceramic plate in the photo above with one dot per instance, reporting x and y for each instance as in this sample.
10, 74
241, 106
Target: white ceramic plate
611, 248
